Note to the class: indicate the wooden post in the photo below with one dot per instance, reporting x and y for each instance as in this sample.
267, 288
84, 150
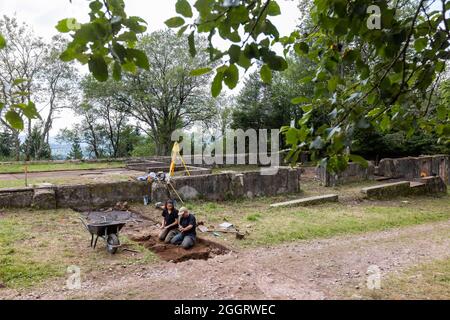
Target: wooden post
26, 174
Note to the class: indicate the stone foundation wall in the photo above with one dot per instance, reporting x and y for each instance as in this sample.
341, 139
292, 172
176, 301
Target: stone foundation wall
235, 185
353, 173
416, 167
210, 187
424, 186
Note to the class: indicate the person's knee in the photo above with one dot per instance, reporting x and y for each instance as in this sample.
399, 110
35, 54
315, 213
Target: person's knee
168, 239
175, 240
188, 243
163, 235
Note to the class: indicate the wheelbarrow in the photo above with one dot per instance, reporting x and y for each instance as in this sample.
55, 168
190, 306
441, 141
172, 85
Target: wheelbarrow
108, 231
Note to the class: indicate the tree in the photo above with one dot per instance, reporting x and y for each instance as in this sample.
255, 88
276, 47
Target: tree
394, 63
6, 144
111, 117
76, 153
166, 97
56, 86
398, 55
34, 147
20, 63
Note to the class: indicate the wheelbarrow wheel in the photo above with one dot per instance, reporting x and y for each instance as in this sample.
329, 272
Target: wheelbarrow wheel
112, 243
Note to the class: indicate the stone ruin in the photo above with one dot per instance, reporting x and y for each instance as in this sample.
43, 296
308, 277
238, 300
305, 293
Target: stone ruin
410, 168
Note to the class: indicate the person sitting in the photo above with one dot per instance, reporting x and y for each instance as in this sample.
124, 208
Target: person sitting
187, 230
169, 223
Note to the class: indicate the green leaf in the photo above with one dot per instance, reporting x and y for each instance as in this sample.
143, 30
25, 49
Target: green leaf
2, 42
200, 72
420, 44
360, 160
332, 83
266, 74
299, 100
98, 68
30, 111
235, 53
14, 119
117, 71
216, 86
273, 9
139, 58
231, 76
191, 42
184, 8
174, 22
67, 25
95, 6
385, 123
301, 48
276, 63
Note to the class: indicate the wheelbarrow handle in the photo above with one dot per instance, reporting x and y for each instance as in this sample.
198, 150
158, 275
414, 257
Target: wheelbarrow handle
84, 223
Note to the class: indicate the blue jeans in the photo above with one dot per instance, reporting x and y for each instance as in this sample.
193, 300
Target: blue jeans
186, 241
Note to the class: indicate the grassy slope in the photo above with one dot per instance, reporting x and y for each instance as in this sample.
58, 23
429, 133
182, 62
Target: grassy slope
266, 226
63, 180
19, 167
35, 246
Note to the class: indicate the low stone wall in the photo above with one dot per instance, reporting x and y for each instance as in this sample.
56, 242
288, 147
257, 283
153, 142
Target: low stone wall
16, 198
415, 167
424, 186
388, 190
236, 185
210, 187
353, 173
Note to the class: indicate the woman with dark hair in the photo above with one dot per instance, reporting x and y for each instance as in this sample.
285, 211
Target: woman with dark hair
169, 223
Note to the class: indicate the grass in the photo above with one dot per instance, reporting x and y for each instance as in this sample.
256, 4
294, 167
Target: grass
36, 246
425, 281
236, 168
45, 167
65, 180
269, 226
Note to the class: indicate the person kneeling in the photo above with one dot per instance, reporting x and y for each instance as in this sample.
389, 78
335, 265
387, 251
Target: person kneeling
187, 233
170, 222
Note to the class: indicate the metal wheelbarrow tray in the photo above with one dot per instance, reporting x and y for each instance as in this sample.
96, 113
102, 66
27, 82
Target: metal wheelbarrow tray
108, 230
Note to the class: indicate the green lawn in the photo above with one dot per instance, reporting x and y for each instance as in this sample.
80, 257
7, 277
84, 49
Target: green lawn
20, 167
35, 246
268, 226
64, 180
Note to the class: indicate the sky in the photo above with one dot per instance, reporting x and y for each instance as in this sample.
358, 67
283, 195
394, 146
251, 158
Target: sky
43, 15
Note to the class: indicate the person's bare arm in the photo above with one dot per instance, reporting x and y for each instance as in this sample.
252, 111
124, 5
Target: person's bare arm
189, 227
173, 224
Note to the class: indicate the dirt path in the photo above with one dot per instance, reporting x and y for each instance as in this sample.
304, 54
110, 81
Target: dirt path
318, 269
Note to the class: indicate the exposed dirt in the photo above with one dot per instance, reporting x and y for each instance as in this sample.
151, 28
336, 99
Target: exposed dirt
319, 269
148, 237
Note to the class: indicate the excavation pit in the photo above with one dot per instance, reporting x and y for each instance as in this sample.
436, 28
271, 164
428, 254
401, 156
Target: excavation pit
203, 250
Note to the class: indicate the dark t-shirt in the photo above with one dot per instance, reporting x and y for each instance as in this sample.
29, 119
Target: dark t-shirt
170, 218
190, 220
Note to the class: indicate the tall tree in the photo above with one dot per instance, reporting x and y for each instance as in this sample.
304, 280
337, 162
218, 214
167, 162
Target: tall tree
20, 62
166, 97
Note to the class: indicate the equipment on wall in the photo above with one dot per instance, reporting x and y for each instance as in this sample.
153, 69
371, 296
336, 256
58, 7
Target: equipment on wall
177, 155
